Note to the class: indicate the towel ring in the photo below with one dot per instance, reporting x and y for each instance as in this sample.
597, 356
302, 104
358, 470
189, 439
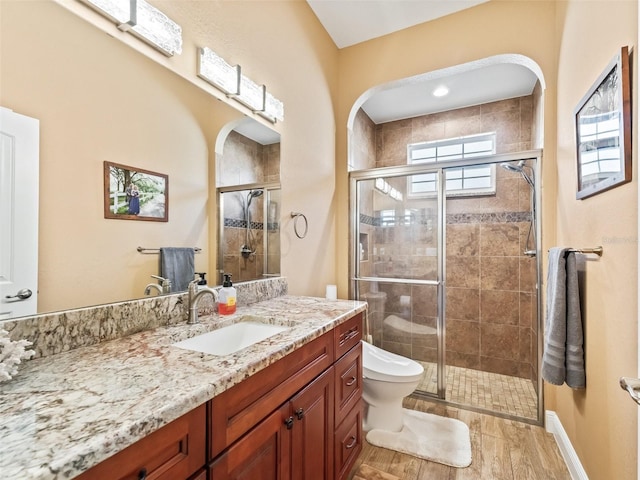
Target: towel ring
296, 216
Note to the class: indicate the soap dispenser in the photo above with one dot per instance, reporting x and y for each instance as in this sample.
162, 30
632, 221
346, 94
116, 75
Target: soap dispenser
227, 296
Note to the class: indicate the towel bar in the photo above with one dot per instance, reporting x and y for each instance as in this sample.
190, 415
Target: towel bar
596, 250
148, 251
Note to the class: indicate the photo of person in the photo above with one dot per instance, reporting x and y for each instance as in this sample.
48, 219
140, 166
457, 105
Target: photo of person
134, 202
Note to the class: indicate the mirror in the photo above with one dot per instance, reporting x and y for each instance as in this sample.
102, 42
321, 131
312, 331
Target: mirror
248, 200
107, 102
603, 130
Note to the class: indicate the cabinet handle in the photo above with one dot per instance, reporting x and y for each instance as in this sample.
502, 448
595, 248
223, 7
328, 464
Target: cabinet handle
289, 423
352, 442
300, 413
142, 474
349, 335
351, 381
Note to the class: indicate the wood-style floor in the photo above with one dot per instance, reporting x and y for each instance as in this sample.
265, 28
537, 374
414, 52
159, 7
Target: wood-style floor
501, 450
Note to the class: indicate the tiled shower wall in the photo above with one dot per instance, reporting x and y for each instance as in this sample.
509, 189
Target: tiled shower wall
245, 162
490, 296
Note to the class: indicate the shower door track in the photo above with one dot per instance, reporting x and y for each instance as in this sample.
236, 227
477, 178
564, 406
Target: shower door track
440, 283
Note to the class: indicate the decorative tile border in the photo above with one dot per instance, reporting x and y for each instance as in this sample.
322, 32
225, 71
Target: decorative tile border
237, 223
454, 218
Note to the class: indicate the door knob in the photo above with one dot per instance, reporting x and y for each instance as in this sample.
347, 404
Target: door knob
22, 294
632, 386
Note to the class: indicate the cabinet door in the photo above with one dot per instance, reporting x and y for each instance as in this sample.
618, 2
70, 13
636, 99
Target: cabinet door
262, 454
312, 432
173, 452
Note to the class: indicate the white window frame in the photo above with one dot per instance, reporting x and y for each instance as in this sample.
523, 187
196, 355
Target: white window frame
438, 153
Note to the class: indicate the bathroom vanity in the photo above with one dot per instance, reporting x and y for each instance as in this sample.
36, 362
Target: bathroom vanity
139, 407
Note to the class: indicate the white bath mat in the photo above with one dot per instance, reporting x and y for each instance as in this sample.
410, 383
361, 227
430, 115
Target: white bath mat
431, 437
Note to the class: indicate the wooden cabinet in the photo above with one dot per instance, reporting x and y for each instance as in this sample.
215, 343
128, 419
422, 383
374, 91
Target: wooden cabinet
176, 450
300, 418
294, 442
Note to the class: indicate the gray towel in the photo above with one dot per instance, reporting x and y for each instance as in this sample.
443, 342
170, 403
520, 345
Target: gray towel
563, 356
178, 265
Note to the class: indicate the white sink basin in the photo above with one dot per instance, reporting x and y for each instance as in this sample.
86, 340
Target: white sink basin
228, 340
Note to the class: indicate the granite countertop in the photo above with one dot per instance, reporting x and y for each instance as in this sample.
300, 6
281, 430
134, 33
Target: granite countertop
65, 413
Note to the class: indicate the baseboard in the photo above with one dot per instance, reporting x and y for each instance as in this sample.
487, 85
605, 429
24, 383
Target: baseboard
554, 426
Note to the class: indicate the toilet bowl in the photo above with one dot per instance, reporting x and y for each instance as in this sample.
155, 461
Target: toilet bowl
387, 379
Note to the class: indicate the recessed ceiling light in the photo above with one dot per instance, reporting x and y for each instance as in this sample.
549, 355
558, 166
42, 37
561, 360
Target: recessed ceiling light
441, 91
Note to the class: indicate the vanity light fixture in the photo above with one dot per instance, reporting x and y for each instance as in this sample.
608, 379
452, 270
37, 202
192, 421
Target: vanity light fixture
227, 78
251, 94
217, 72
273, 109
144, 21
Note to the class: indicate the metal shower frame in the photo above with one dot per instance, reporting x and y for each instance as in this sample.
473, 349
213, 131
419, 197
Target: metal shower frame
440, 283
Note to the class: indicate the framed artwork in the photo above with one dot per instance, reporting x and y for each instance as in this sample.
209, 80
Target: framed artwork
132, 193
603, 130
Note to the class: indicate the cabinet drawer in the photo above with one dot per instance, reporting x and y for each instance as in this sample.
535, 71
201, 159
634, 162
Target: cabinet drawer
347, 335
348, 382
348, 443
235, 411
175, 451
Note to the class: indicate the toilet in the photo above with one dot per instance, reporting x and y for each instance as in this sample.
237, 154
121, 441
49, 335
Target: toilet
387, 379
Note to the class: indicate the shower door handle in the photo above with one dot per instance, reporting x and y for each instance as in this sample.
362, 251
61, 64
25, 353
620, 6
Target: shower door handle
632, 386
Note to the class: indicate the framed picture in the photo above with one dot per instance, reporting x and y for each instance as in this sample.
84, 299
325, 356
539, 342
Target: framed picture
135, 194
603, 130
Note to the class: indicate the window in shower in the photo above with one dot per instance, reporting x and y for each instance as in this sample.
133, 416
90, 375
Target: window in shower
461, 181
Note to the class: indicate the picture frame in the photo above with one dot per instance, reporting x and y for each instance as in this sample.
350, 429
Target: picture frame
132, 193
603, 130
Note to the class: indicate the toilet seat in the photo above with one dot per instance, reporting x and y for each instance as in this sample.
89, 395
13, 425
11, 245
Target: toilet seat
378, 364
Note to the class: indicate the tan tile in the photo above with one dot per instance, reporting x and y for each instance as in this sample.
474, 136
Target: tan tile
499, 239
463, 239
463, 337
499, 273
499, 341
500, 306
463, 304
463, 272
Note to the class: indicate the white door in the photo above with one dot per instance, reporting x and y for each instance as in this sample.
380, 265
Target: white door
19, 167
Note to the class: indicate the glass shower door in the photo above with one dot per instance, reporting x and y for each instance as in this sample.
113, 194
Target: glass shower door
398, 266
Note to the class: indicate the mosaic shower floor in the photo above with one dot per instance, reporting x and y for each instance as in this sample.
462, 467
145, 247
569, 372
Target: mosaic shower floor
491, 391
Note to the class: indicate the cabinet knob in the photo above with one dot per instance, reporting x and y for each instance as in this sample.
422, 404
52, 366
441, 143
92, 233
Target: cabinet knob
300, 413
142, 474
289, 423
351, 381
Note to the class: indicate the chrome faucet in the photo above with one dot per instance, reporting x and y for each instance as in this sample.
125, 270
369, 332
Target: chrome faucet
163, 287
194, 298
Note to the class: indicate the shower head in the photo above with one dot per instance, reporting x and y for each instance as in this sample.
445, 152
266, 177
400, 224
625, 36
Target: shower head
520, 168
253, 194
514, 168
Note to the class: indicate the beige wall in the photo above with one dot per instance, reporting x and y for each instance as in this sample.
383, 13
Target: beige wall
601, 420
98, 98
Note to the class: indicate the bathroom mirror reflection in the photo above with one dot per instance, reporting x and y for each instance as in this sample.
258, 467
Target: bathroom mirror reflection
170, 126
250, 232
248, 179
